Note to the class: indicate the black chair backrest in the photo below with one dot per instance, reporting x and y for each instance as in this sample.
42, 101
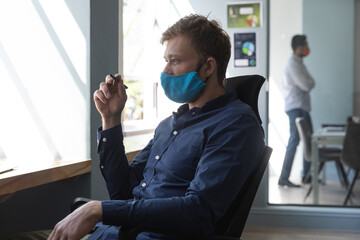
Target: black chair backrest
351, 147
247, 88
305, 136
233, 222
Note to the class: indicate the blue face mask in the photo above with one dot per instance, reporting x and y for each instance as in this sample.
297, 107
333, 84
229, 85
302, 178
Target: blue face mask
181, 88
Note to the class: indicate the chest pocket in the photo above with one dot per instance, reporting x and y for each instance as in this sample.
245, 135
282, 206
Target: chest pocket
179, 161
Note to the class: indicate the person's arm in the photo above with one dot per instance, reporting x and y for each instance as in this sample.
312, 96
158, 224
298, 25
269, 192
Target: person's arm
301, 76
120, 178
230, 155
110, 100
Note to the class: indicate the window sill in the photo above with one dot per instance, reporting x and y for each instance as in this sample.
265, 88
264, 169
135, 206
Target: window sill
31, 175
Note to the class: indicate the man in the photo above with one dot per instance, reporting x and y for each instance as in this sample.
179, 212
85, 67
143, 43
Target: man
296, 87
184, 180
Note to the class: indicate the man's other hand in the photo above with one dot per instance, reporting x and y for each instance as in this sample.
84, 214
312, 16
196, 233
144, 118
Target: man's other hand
79, 223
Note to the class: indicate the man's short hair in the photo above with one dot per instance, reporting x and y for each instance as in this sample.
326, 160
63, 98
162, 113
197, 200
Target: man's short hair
298, 41
207, 37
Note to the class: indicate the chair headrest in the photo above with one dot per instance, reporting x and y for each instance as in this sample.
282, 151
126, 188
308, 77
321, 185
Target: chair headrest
247, 88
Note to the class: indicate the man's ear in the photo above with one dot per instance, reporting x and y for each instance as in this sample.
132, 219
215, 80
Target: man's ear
210, 66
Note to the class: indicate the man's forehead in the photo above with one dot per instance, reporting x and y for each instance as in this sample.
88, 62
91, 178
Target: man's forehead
178, 46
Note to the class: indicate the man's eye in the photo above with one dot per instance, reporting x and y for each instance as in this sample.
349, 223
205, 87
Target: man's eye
175, 61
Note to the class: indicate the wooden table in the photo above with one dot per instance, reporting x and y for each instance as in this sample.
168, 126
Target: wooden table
30, 175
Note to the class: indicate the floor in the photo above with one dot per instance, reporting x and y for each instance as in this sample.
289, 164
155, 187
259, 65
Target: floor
276, 233
331, 193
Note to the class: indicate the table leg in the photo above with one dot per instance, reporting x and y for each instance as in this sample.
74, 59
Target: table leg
315, 167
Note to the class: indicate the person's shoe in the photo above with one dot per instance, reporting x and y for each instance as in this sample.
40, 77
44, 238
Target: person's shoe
287, 183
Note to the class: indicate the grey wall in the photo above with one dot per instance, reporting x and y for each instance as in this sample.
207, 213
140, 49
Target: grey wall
103, 61
329, 25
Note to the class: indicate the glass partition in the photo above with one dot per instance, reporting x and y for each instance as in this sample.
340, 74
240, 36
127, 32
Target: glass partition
329, 27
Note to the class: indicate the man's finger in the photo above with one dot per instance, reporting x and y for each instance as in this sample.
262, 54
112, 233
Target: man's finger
99, 95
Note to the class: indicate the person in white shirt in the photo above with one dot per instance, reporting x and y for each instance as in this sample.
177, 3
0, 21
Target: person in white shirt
297, 84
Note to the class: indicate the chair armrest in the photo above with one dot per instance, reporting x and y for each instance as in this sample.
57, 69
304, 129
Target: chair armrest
78, 202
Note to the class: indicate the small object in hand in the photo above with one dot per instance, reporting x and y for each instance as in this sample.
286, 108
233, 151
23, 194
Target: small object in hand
113, 77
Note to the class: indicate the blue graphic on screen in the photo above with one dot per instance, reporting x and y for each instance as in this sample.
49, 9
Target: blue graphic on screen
245, 49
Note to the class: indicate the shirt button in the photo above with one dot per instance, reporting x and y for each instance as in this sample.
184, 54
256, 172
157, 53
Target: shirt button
102, 166
104, 139
175, 132
143, 185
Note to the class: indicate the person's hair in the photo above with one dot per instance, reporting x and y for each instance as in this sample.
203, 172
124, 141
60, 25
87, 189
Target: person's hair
298, 41
207, 37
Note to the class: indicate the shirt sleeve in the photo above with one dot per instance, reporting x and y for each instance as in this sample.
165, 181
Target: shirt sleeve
300, 76
120, 178
230, 155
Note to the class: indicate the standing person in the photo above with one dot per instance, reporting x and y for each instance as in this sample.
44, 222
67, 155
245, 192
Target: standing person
187, 176
297, 84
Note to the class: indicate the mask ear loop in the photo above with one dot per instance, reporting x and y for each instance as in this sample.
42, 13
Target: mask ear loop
198, 69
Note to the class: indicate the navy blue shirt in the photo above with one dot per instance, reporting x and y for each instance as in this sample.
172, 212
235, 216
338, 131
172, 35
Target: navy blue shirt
189, 173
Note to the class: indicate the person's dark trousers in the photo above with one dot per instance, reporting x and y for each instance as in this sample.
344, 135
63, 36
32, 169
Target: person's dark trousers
293, 143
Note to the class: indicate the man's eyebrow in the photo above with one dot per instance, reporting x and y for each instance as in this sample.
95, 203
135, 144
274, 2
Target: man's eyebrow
171, 56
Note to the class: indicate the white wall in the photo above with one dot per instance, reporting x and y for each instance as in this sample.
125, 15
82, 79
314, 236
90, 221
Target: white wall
329, 26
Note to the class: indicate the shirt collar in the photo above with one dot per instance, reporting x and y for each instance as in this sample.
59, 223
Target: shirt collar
218, 102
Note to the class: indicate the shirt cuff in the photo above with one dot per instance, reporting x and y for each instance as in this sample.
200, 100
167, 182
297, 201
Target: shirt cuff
109, 137
114, 212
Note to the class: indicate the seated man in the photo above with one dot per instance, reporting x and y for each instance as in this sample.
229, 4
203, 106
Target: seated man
185, 179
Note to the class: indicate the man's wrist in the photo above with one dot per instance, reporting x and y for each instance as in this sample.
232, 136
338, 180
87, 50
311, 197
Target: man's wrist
110, 122
95, 209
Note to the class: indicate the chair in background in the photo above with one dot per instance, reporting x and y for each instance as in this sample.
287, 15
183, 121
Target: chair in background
231, 225
326, 154
351, 153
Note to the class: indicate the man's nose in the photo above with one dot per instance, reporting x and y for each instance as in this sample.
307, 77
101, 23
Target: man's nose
167, 69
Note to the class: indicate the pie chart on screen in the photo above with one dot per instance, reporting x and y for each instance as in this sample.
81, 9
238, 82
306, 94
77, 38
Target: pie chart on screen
248, 48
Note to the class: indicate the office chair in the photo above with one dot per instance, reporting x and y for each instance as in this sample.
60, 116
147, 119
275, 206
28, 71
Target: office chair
247, 89
326, 154
231, 225
351, 153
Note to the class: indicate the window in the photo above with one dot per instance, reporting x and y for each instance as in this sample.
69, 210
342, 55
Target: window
44, 102
143, 61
